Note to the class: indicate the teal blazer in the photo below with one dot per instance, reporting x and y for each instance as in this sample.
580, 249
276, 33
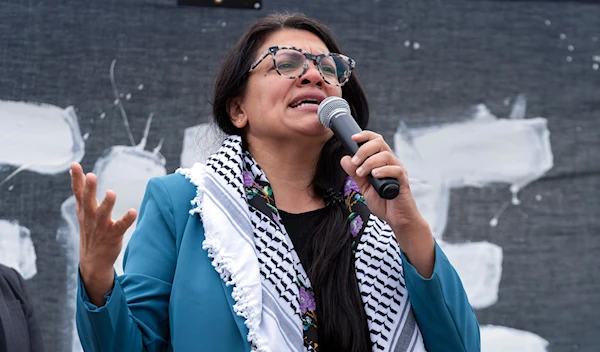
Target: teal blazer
170, 298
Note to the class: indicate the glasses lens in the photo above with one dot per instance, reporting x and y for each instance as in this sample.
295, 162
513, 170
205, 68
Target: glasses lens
335, 69
289, 62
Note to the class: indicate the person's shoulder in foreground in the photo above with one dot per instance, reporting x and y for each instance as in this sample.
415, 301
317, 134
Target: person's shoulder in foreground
19, 330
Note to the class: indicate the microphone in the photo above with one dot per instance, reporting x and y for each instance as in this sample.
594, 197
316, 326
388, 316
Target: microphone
334, 113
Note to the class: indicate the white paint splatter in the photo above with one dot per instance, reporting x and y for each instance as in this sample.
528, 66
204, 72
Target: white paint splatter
519, 110
113, 83
257, 5
595, 66
563, 36
16, 248
570, 48
128, 96
39, 137
199, 142
416, 46
11, 187
538, 197
494, 220
547, 22
569, 59
503, 339
482, 279
102, 115
140, 86
407, 43
86, 136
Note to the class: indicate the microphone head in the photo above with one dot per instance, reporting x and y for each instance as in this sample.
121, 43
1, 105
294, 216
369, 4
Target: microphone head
329, 107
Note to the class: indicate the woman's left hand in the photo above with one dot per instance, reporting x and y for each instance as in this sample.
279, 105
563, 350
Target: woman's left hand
376, 157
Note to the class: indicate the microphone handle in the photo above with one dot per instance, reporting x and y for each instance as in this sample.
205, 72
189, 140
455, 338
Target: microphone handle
344, 127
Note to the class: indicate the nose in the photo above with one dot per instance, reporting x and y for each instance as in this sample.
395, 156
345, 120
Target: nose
311, 76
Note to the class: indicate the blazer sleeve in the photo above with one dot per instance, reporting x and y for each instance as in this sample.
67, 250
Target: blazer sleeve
135, 316
440, 304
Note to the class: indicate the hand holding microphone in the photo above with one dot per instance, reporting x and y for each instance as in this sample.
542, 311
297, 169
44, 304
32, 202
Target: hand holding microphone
379, 174
334, 113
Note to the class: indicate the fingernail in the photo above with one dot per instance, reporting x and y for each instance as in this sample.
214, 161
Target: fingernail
354, 159
359, 171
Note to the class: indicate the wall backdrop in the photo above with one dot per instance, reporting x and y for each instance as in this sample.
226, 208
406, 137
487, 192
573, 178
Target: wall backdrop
494, 107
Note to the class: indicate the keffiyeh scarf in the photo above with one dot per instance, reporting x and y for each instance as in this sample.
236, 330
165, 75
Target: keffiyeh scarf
251, 251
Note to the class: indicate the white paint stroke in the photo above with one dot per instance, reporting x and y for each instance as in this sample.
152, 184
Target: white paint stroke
67, 236
16, 248
199, 142
502, 339
477, 151
479, 265
485, 150
39, 137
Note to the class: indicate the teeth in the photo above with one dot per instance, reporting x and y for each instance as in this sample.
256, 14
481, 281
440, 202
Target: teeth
305, 103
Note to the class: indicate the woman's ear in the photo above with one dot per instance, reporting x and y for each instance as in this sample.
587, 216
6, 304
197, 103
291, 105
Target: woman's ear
236, 112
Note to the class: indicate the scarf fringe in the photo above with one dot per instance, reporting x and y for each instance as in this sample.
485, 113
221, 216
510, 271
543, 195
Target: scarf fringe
196, 176
223, 267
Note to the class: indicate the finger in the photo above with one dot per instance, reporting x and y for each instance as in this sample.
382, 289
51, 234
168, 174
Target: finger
369, 148
103, 213
77, 181
350, 169
89, 202
375, 161
365, 135
125, 222
394, 171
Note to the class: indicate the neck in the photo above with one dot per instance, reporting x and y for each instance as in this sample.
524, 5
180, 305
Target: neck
290, 169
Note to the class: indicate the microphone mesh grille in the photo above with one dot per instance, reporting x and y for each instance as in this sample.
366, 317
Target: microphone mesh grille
328, 106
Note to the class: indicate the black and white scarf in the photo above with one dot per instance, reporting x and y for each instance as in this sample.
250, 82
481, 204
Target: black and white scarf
251, 251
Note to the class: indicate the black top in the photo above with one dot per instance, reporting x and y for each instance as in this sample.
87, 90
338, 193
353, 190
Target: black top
299, 228
19, 331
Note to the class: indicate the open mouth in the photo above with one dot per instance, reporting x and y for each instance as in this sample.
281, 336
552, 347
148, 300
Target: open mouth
305, 102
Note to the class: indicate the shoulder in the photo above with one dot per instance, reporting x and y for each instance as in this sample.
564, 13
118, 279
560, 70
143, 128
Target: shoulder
175, 195
11, 278
174, 189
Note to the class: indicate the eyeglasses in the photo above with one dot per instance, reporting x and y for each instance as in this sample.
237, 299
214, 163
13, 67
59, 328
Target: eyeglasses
291, 62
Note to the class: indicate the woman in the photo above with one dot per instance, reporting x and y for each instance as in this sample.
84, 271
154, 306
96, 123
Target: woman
19, 330
270, 245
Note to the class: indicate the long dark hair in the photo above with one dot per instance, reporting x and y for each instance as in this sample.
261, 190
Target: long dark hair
342, 322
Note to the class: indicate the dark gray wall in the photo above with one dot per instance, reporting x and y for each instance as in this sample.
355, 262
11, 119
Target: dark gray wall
59, 52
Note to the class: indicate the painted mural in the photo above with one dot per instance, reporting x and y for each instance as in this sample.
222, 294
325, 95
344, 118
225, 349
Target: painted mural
496, 119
